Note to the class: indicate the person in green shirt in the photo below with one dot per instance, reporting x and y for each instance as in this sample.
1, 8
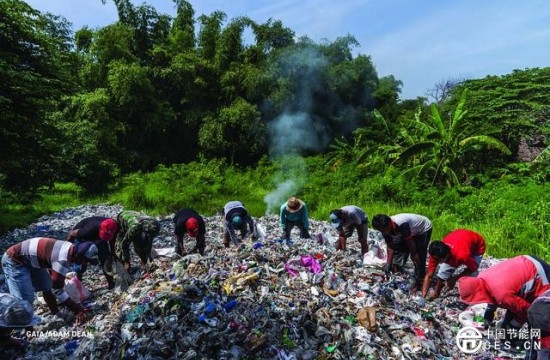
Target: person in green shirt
294, 213
138, 229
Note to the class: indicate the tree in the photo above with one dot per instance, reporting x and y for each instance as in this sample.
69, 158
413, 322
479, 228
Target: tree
386, 97
513, 106
183, 27
89, 152
442, 150
34, 72
442, 90
209, 34
235, 133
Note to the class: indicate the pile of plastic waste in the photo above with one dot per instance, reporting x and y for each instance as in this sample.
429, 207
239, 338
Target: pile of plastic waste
266, 299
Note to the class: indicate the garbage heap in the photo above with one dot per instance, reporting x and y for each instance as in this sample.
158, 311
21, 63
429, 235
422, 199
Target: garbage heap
265, 299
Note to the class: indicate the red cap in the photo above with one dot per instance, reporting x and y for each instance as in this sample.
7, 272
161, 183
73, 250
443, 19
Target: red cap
107, 229
192, 226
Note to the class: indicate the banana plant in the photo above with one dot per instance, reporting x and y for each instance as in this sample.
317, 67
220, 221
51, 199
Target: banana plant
442, 145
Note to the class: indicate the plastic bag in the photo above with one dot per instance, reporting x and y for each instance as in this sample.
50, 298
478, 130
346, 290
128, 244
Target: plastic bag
14, 312
76, 290
260, 232
473, 316
376, 256
122, 278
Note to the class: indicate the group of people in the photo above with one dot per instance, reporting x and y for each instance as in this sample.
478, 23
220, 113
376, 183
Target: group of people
520, 284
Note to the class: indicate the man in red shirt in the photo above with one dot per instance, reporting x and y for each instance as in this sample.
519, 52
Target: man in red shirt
459, 247
512, 284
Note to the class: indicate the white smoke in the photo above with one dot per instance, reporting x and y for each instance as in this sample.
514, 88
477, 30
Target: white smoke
292, 134
295, 132
277, 197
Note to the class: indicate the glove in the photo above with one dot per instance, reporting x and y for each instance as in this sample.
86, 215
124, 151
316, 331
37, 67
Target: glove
82, 316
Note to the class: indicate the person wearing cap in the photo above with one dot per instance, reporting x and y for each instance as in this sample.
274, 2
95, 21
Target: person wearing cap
405, 234
512, 284
459, 247
137, 229
26, 266
345, 220
236, 217
538, 317
294, 213
101, 231
188, 221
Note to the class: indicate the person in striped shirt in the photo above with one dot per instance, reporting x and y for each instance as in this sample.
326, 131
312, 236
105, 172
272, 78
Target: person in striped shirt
26, 266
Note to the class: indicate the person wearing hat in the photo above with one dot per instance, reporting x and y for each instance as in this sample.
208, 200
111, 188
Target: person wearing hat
294, 213
405, 234
26, 266
138, 229
101, 231
236, 217
512, 284
459, 247
14, 314
345, 220
188, 221
538, 317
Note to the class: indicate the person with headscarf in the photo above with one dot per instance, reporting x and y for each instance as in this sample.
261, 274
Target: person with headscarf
188, 221
459, 247
137, 229
405, 235
512, 284
347, 219
236, 217
101, 231
294, 213
26, 266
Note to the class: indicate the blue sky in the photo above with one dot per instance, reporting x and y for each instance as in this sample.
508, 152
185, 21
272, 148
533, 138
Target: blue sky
419, 42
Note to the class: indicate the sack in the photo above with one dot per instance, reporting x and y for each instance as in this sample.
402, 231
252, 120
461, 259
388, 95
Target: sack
122, 278
76, 290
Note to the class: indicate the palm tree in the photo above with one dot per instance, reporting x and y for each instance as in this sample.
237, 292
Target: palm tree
440, 153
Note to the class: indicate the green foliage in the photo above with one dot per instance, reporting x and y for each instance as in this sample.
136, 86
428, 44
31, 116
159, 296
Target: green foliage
513, 217
225, 134
18, 211
442, 146
514, 106
34, 68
